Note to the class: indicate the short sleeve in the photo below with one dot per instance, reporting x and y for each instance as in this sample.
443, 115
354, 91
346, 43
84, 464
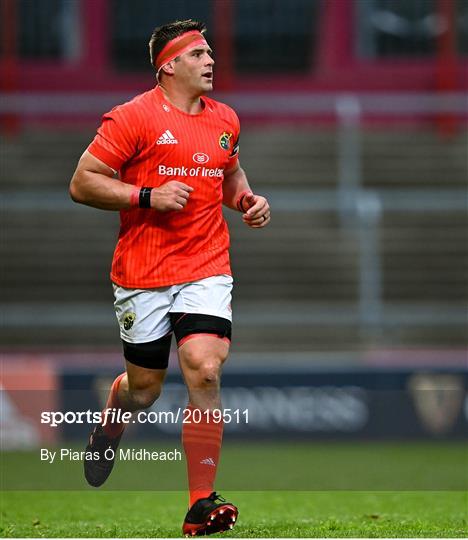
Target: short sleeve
116, 139
234, 154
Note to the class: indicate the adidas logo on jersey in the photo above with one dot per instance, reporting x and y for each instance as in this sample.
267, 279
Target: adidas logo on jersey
167, 138
208, 461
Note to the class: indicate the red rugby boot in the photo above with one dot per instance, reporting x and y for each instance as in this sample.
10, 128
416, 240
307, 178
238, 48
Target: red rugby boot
208, 516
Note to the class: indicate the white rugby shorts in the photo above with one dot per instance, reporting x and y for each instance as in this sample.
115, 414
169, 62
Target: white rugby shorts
143, 314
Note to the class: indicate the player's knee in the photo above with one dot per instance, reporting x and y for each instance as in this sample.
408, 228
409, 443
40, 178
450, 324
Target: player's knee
207, 371
144, 398
209, 374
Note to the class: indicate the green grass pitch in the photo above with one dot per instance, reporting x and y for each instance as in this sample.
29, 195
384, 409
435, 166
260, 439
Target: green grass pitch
262, 514
412, 490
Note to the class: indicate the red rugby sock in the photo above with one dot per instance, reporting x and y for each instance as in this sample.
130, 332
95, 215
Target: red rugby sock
202, 444
113, 429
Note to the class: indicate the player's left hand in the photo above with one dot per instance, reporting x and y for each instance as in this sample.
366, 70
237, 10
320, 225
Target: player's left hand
258, 213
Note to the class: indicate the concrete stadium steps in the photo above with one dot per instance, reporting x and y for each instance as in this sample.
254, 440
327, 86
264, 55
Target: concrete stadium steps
42, 159
300, 256
297, 281
60, 255
414, 159
247, 337
321, 326
298, 157
262, 327
281, 157
424, 256
290, 157
285, 156
66, 254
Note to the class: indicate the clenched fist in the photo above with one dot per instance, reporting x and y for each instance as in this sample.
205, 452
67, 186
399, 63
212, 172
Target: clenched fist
170, 196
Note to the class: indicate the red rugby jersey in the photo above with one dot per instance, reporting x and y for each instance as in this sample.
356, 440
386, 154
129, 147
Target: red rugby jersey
150, 142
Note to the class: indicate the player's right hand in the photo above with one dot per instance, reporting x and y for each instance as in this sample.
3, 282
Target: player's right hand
170, 196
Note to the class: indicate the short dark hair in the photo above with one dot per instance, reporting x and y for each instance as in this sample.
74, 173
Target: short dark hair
163, 34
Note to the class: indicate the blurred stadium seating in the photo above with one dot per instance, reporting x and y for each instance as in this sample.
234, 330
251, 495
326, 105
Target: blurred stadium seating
302, 283
315, 280
298, 281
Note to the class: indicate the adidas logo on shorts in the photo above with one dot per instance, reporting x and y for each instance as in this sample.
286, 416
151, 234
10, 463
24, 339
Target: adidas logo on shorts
167, 138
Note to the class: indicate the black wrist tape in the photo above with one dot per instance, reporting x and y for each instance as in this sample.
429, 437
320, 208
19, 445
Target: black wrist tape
240, 205
144, 200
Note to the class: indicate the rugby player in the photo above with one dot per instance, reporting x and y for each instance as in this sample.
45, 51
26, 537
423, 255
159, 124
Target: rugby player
167, 161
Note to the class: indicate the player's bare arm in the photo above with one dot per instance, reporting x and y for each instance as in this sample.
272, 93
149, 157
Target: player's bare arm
94, 184
238, 196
